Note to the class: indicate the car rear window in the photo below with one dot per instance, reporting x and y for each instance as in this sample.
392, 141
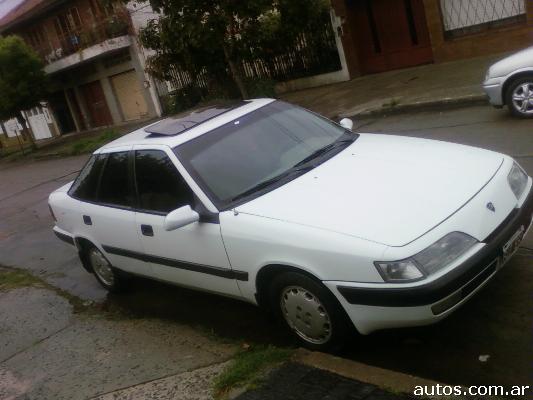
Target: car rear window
86, 184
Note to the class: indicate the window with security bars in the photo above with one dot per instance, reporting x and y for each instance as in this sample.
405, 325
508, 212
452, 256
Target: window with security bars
470, 16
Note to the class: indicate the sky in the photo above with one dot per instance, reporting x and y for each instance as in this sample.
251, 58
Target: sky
8, 5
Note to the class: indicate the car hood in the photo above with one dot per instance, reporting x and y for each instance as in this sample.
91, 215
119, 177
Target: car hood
383, 188
522, 59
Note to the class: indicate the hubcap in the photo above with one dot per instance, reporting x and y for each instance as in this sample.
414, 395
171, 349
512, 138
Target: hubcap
101, 267
305, 314
523, 98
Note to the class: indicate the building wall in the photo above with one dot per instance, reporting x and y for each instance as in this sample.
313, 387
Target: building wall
490, 41
89, 19
88, 53
103, 70
347, 35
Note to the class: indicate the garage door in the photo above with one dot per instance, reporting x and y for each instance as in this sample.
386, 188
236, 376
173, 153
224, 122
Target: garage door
129, 94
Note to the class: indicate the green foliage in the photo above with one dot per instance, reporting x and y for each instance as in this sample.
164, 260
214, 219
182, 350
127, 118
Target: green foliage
258, 88
11, 278
247, 366
183, 99
215, 36
23, 83
90, 144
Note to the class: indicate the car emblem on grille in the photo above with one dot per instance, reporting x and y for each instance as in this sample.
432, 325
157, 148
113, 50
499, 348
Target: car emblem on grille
491, 207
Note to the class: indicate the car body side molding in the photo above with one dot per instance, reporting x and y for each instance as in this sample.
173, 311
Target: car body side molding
204, 269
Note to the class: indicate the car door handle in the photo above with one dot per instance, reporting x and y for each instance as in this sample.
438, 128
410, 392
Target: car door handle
87, 220
147, 230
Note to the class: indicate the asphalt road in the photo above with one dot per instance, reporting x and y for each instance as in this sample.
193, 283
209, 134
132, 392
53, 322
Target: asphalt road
497, 322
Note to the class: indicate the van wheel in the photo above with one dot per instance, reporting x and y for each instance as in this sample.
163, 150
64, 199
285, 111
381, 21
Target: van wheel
310, 311
108, 276
519, 97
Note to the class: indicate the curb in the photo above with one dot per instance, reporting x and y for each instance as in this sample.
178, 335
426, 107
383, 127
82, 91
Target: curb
420, 106
395, 382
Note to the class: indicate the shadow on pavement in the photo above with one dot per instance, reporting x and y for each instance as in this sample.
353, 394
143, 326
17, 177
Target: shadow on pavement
226, 318
490, 324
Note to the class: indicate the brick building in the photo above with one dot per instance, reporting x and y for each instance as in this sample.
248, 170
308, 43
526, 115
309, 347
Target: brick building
382, 35
92, 56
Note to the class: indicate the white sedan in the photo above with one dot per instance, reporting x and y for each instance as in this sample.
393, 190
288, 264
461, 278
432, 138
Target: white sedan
510, 82
272, 204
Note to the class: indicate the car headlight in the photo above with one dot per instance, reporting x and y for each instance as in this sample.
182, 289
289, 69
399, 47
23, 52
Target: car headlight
517, 179
429, 261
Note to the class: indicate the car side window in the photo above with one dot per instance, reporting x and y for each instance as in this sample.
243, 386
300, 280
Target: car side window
86, 184
114, 184
160, 186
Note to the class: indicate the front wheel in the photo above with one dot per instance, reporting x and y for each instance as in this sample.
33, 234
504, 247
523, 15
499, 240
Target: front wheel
310, 311
104, 272
519, 97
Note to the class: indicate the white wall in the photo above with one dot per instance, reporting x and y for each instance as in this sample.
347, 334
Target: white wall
141, 13
13, 128
40, 120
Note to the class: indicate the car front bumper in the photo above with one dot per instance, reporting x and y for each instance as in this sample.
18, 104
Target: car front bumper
373, 308
493, 90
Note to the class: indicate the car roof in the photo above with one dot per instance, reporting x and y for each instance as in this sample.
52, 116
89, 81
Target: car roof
187, 125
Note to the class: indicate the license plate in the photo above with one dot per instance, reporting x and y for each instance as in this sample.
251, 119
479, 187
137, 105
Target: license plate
512, 245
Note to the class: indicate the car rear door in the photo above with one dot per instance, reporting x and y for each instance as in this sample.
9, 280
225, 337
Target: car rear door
192, 256
109, 218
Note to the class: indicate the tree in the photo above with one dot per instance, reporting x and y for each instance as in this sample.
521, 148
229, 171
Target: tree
217, 35
23, 83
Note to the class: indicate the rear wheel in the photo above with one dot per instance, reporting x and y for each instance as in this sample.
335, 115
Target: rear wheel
310, 311
519, 97
109, 277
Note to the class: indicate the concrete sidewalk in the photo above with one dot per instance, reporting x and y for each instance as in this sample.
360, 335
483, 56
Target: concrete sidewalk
52, 350
426, 86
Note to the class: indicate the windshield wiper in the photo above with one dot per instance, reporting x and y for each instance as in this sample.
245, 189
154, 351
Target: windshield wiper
324, 150
298, 168
266, 183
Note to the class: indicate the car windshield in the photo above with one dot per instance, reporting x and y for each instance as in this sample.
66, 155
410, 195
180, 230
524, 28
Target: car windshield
260, 151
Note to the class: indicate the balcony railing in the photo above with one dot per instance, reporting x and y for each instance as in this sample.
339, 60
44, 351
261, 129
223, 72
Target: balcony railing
85, 37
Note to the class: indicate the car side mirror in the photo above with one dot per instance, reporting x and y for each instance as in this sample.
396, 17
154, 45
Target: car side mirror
181, 217
346, 123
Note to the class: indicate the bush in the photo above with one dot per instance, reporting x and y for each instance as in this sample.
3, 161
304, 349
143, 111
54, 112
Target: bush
261, 88
182, 99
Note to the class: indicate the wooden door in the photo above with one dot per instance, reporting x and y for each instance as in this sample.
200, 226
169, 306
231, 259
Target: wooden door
391, 34
97, 108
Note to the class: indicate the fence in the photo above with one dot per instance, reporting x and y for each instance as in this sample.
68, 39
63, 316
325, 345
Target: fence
312, 54
470, 16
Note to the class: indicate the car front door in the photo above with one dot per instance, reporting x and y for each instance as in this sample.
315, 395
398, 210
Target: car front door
108, 216
192, 256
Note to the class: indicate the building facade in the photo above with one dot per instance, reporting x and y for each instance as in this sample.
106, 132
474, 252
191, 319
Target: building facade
91, 54
382, 35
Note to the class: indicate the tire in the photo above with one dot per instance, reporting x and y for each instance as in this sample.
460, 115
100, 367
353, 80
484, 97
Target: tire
519, 97
310, 311
109, 277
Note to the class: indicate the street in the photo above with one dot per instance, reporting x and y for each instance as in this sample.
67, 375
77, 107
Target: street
497, 322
